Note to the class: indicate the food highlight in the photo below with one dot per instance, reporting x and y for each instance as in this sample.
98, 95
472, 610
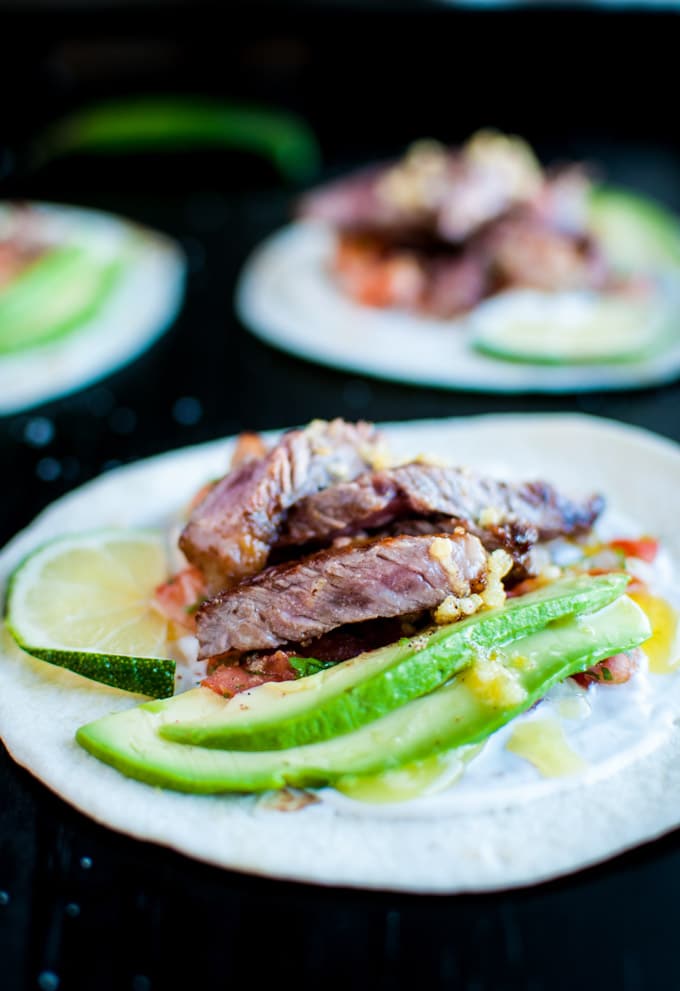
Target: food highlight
342, 618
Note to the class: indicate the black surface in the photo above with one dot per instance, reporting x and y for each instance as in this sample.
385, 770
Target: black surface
137, 917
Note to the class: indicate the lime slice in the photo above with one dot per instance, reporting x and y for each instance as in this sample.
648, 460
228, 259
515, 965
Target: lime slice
587, 327
572, 327
84, 602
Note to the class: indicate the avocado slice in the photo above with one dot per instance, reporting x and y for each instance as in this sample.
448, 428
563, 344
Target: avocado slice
54, 295
639, 235
355, 692
467, 710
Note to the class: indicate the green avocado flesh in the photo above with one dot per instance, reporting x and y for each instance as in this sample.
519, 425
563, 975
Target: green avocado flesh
452, 716
54, 295
638, 234
355, 692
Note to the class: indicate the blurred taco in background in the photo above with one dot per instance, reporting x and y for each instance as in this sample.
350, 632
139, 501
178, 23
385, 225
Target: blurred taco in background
573, 271
81, 293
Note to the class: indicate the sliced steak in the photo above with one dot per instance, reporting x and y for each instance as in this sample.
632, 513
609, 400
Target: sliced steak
293, 602
516, 539
522, 251
229, 534
481, 504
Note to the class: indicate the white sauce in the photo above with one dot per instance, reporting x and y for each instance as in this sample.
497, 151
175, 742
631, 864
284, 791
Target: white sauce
608, 726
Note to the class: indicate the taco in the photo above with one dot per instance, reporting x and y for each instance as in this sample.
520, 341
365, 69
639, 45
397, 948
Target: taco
430, 664
81, 292
473, 253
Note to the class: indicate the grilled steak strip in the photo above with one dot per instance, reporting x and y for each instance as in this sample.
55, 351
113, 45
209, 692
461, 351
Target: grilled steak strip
293, 602
516, 539
229, 534
421, 490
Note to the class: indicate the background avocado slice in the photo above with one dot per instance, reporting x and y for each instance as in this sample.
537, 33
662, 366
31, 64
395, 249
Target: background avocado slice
639, 235
356, 692
54, 295
454, 715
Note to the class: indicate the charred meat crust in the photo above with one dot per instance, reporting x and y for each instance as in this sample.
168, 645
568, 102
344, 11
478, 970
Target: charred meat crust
293, 602
231, 531
501, 514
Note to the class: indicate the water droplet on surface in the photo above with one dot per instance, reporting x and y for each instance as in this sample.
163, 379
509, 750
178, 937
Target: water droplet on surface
48, 469
39, 431
141, 983
85, 863
4, 898
48, 981
72, 910
187, 411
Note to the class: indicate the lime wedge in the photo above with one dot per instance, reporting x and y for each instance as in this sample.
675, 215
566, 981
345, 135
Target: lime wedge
638, 234
575, 327
83, 602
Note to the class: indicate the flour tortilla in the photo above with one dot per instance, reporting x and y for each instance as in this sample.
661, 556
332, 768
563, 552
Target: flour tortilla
524, 839
141, 305
287, 297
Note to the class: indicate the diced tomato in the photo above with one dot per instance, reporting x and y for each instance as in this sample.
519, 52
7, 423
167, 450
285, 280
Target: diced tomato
375, 278
178, 598
614, 670
645, 548
524, 587
249, 447
231, 678
634, 585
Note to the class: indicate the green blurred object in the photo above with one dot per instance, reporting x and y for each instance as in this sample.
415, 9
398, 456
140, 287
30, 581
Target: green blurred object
53, 296
182, 123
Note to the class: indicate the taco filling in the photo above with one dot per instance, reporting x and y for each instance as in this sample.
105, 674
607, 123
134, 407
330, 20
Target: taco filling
341, 614
319, 549
442, 229
51, 280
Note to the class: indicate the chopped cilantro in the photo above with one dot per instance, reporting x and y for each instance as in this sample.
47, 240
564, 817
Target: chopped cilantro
304, 666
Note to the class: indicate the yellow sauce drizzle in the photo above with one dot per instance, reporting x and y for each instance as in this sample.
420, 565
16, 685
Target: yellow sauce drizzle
416, 779
542, 742
661, 649
575, 707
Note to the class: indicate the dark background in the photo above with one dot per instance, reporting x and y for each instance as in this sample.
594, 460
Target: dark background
576, 82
